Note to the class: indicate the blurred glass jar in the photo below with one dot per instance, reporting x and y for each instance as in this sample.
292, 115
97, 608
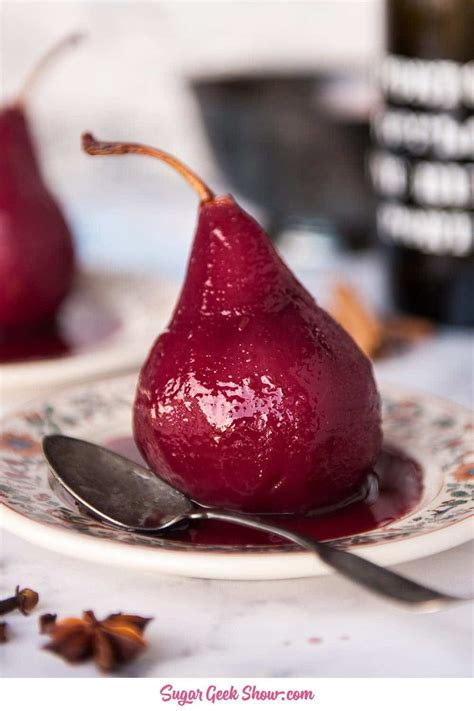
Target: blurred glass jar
295, 144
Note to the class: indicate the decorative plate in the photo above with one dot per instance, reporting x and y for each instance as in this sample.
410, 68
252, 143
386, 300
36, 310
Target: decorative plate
436, 433
106, 325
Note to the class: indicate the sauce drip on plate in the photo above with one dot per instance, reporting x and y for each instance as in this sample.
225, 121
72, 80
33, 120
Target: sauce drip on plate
400, 490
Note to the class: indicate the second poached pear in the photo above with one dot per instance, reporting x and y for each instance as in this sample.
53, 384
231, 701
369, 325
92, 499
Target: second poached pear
37, 261
36, 246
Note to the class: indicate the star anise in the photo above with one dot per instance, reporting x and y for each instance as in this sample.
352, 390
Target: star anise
110, 642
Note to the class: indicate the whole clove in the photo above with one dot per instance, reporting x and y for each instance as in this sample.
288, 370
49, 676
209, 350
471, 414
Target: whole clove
3, 632
24, 600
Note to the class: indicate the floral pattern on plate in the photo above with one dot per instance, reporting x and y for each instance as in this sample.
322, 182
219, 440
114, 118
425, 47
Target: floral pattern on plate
435, 432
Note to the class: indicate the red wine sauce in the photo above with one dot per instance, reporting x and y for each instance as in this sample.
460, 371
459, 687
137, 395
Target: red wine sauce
400, 489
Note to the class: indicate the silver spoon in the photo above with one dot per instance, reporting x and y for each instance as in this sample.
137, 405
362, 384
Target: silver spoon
125, 494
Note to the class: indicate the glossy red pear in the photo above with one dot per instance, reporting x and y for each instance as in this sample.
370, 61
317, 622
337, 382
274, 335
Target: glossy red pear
254, 398
36, 248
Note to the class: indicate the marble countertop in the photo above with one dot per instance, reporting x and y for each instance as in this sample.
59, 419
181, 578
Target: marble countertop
321, 627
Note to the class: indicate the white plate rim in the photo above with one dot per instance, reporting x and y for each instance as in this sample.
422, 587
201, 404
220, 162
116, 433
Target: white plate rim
231, 565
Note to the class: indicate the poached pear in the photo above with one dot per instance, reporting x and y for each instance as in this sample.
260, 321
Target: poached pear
254, 398
36, 247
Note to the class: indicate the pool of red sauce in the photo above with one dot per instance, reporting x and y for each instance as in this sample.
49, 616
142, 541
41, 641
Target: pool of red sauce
400, 490
80, 325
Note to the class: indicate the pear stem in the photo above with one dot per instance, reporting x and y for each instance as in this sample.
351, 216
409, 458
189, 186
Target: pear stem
105, 148
41, 65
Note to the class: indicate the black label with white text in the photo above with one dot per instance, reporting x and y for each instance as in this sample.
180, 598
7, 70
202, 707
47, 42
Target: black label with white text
423, 164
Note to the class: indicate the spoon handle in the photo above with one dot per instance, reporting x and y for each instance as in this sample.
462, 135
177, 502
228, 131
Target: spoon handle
373, 577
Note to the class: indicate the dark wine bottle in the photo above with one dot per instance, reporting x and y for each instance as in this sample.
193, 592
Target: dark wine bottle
422, 165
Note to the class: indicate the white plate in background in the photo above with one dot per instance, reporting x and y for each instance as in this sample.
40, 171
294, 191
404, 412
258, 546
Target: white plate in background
128, 312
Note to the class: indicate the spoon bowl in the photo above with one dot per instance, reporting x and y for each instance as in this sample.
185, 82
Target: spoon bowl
112, 488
